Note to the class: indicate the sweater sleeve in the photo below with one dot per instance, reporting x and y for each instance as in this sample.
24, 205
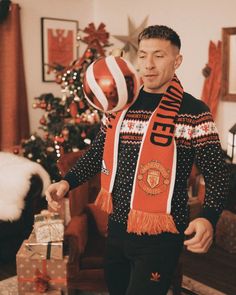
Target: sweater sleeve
89, 164
210, 160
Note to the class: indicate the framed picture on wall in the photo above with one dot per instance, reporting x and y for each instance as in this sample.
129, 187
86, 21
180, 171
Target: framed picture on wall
58, 45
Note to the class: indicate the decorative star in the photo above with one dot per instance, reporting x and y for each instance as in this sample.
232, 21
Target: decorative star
131, 41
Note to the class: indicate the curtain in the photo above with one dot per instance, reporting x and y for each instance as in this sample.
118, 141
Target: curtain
14, 118
210, 95
212, 72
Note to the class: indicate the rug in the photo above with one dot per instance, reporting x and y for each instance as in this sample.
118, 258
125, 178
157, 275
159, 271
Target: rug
9, 287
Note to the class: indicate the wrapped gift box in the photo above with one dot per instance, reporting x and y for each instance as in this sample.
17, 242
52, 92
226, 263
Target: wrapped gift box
49, 227
226, 231
27, 270
50, 250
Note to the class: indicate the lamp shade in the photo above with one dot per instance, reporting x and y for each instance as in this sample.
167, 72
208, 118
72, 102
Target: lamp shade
231, 145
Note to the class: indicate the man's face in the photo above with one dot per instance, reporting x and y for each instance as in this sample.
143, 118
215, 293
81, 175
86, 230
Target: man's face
157, 61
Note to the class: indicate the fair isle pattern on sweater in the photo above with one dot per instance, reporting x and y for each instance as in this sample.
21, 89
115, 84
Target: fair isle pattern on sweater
134, 126
154, 177
132, 129
197, 141
198, 127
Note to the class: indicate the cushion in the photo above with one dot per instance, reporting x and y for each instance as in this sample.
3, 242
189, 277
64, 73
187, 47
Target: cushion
226, 231
67, 160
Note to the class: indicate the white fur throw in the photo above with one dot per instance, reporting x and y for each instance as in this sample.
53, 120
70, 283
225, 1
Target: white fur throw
15, 175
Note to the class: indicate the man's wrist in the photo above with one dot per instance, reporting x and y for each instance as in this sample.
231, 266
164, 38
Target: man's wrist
211, 215
66, 184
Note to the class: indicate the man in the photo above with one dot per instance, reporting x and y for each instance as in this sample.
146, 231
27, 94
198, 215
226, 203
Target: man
144, 187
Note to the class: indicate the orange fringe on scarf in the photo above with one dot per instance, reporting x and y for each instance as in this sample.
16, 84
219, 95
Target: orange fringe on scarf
151, 223
104, 201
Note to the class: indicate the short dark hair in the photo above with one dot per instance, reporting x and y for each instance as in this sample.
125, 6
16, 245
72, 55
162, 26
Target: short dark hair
160, 32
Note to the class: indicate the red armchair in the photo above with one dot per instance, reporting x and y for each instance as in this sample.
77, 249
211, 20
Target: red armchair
85, 236
85, 233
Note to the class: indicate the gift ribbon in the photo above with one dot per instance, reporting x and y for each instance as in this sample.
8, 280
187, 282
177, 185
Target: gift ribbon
49, 248
43, 217
42, 278
44, 273
48, 252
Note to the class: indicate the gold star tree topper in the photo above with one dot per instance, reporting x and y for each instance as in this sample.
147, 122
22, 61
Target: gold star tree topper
131, 40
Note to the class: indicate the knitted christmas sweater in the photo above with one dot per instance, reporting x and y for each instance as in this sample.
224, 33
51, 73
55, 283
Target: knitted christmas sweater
197, 141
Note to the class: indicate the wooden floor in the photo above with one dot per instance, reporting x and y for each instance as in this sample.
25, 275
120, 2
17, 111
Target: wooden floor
216, 269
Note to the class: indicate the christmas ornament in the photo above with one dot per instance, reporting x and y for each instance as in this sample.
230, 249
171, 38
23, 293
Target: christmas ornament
43, 121
131, 40
73, 109
59, 139
97, 40
66, 117
50, 149
43, 105
81, 104
65, 133
83, 134
35, 105
111, 84
87, 141
16, 151
96, 37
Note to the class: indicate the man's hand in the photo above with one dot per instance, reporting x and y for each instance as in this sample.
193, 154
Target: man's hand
203, 238
55, 192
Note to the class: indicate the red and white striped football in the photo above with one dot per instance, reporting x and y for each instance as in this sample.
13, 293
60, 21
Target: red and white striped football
111, 84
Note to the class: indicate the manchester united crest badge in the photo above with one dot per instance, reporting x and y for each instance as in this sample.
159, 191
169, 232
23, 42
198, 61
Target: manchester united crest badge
153, 178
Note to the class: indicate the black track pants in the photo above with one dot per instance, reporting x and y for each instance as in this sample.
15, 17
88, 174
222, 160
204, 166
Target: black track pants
141, 267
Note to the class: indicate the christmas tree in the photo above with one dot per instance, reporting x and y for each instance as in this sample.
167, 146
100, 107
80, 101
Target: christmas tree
69, 123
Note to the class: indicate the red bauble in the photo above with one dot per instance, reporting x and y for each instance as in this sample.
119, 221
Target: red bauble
65, 133
73, 109
42, 121
88, 53
83, 134
77, 120
16, 151
81, 104
111, 84
59, 139
43, 105
46, 135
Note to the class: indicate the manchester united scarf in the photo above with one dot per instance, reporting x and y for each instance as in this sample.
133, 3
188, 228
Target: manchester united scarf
154, 178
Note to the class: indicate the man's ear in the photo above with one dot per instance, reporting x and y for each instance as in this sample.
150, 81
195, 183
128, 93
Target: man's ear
178, 61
